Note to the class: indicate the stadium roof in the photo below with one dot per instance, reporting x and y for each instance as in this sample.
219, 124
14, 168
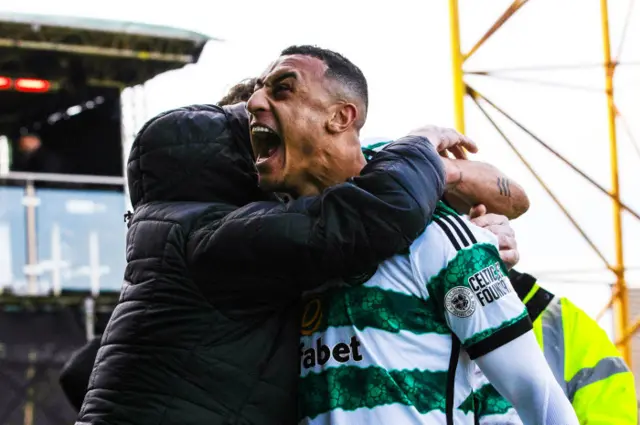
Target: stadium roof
103, 25
118, 53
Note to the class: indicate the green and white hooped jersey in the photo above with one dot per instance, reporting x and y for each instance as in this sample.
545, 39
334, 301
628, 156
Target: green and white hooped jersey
398, 349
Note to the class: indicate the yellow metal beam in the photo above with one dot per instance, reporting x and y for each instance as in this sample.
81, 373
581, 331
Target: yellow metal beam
475, 96
621, 301
513, 8
626, 337
561, 157
459, 87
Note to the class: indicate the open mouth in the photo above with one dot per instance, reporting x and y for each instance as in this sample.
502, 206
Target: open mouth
266, 142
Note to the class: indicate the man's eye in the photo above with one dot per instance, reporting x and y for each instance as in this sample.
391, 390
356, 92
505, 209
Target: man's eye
281, 88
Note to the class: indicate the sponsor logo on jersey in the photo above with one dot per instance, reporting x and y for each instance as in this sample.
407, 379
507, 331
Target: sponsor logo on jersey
311, 317
489, 284
460, 301
319, 353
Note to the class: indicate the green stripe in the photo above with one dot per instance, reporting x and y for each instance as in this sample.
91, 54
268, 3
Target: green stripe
372, 307
466, 263
442, 210
374, 146
351, 387
476, 338
487, 402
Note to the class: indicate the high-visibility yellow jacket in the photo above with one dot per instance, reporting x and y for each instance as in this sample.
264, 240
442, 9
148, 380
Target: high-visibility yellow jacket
582, 357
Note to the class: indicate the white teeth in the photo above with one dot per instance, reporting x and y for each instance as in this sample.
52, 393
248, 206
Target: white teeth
260, 129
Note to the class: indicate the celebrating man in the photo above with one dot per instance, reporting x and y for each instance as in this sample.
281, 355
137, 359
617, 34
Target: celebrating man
385, 347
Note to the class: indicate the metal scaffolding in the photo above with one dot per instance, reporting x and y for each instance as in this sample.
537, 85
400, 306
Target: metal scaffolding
619, 298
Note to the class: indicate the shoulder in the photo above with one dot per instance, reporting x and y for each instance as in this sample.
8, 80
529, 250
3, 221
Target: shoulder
460, 232
189, 216
449, 235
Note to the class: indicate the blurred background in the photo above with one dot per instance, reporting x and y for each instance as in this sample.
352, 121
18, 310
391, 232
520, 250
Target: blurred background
527, 80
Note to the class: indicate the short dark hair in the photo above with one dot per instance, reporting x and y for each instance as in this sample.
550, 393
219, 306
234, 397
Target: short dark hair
338, 68
241, 92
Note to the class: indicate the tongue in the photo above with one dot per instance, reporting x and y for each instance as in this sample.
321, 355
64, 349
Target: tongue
269, 154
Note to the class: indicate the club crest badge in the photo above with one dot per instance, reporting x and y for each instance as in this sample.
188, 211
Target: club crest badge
460, 301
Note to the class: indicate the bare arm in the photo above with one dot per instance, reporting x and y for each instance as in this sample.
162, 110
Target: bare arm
470, 183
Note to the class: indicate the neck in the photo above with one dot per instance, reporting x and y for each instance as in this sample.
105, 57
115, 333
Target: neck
335, 170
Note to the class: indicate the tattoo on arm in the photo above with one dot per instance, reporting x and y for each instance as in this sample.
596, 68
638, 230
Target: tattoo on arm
503, 186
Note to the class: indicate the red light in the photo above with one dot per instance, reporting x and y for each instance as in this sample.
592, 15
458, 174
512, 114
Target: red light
32, 85
5, 83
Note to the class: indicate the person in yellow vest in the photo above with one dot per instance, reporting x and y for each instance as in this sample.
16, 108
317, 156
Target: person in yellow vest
583, 359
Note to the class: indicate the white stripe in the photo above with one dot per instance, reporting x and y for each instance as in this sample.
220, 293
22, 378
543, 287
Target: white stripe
481, 234
390, 351
508, 418
396, 275
391, 414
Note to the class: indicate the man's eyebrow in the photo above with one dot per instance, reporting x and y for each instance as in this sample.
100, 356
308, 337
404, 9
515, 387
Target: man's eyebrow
280, 77
260, 82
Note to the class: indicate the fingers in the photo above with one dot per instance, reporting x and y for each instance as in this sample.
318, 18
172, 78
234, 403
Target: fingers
458, 152
477, 211
447, 139
458, 144
506, 241
469, 144
499, 226
491, 220
510, 258
454, 135
501, 229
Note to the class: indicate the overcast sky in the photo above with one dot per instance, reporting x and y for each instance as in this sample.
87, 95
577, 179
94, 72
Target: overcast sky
403, 49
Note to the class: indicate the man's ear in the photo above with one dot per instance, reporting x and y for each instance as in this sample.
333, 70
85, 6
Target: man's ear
342, 118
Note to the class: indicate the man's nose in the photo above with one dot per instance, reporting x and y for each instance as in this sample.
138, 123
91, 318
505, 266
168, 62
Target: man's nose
257, 102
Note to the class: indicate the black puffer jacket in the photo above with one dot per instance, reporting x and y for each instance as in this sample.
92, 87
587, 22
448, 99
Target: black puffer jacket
206, 330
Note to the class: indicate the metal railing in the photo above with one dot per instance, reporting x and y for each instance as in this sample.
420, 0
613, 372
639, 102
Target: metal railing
61, 232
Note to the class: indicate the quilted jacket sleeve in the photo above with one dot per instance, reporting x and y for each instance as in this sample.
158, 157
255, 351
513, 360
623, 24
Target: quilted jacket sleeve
74, 375
346, 230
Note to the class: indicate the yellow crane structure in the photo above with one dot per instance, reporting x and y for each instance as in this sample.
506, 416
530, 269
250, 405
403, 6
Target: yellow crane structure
619, 300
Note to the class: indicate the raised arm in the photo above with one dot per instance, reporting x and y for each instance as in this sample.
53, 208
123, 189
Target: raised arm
347, 229
470, 183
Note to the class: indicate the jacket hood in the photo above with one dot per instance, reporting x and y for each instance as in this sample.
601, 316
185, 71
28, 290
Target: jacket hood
195, 153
